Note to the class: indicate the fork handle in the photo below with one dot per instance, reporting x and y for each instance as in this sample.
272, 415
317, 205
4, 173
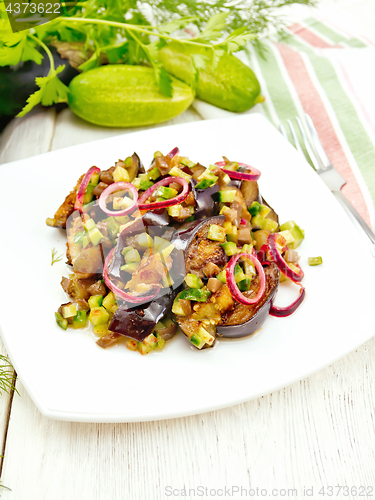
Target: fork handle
349, 207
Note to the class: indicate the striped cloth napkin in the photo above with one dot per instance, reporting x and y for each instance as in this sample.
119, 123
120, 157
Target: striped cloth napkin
329, 75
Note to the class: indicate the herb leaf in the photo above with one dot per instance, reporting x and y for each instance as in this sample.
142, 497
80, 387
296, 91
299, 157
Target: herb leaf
214, 28
19, 47
51, 90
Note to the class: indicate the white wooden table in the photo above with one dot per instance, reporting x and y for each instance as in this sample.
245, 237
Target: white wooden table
317, 432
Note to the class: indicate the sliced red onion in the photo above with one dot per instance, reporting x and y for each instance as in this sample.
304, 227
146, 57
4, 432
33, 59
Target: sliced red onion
243, 222
117, 291
279, 260
83, 186
167, 203
173, 153
232, 285
242, 176
118, 186
282, 312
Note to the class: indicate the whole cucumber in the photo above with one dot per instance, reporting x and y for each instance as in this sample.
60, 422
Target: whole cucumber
232, 85
125, 96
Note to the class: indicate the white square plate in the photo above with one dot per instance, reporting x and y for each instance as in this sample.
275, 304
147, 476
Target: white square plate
70, 378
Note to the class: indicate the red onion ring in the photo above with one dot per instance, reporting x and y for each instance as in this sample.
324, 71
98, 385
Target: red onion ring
242, 176
117, 186
167, 203
173, 153
279, 260
232, 285
117, 291
282, 312
83, 186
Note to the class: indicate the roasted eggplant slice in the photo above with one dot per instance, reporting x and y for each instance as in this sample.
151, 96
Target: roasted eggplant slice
205, 205
241, 320
66, 209
138, 323
232, 319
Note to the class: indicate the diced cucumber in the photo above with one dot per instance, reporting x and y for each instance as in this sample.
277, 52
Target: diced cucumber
142, 184
122, 219
230, 248
205, 336
95, 236
98, 316
130, 268
315, 261
269, 225
216, 233
227, 196
121, 175
222, 276
144, 240
161, 341
296, 231
94, 179
177, 308
244, 285
63, 323
196, 294
85, 241
168, 250
197, 341
206, 180
254, 208
233, 166
166, 192
78, 237
177, 172
160, 243
150, 340
289, 238
231, 231
193, 281
125, 250
144, 349
187, 163
132, 256
101, 330
113, 227
154, 174
89, 224
109, 301
69, 311
95, 301
239, 275
80, 320
88, 195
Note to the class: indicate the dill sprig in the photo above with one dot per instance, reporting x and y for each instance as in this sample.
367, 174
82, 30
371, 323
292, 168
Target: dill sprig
55, 257
7, 376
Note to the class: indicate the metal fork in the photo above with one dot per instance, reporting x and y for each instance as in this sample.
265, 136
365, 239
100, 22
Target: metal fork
324, 168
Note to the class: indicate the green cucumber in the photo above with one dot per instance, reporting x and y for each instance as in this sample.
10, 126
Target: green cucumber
193, 281
216, 233
296, 231
119, 95
232, 85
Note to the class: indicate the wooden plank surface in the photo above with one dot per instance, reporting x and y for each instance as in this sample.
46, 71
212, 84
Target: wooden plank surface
315, 433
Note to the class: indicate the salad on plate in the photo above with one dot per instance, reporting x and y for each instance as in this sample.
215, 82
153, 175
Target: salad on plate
177, 248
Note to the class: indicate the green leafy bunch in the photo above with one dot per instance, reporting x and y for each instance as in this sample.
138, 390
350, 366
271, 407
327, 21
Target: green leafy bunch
95, 32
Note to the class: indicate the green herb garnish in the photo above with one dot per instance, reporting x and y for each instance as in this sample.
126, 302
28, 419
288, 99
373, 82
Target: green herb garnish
55, 257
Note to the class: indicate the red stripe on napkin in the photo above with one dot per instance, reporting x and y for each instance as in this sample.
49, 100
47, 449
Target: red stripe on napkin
314, 106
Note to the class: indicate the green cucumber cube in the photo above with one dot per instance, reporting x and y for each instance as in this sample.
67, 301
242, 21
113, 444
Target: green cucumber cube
193, 281
216, 233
